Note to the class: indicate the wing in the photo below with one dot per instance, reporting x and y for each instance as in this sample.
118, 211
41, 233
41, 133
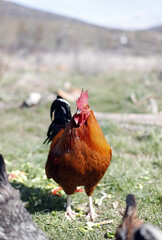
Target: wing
54, 156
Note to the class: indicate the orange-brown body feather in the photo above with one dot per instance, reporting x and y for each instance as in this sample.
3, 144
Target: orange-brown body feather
79, 156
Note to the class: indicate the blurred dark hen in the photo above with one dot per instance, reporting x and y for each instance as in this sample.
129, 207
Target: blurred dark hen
133, 228
15, 221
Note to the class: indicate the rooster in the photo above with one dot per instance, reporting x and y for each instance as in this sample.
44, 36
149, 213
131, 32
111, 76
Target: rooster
133, 228
79, 154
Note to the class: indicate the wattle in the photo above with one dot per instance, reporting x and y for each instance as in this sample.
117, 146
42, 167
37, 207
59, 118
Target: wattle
80, 119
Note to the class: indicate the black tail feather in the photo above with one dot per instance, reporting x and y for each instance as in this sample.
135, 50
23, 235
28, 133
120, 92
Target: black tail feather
52, 131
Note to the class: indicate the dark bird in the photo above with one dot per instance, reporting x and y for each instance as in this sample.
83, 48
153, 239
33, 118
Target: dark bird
15, 221
79, 154
32, 99
133, 228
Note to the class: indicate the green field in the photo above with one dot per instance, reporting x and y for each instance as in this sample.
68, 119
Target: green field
136, 163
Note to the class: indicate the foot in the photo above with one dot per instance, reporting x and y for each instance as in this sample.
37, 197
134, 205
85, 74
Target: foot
91, 213
92, 216
70, 214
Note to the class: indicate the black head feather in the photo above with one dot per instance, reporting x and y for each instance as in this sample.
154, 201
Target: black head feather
130, 200
131, 207
60, 114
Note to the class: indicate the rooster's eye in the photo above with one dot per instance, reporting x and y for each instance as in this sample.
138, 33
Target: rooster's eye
86, 107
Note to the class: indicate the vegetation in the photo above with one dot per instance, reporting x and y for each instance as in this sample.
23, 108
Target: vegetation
135, 166
110, 84
30, 30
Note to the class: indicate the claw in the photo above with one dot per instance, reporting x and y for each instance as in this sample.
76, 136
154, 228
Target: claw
70, 213
92, 216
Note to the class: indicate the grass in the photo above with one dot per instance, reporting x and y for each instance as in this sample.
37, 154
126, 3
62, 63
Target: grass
109, 87
136, 163
135, 168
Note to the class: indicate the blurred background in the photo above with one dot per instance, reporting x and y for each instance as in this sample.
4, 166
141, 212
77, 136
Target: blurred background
111, 48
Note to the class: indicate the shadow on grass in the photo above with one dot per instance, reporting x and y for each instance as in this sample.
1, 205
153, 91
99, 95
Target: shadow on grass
39, 199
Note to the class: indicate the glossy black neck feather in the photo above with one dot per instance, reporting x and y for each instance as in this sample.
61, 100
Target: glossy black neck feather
60, 114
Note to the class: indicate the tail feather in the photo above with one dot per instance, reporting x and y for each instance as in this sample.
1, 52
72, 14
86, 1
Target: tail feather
52, 131
60, 114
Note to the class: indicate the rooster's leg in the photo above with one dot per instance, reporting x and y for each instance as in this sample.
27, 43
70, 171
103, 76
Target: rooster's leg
69, 212
92, 213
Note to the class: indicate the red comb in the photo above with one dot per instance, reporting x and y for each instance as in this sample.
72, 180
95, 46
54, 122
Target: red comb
82, 100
